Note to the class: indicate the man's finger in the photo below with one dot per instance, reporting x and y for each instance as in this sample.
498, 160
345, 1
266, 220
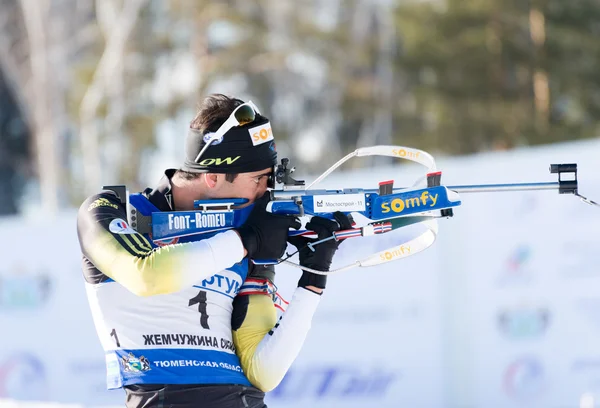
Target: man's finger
298, 241
323, 231
295, 223
321, 222
343, 220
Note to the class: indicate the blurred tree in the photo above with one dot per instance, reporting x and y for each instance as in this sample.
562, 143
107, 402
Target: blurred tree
38, 42
116, 20
572, 54
323, 70
276, 53
14, 146
98, 82
491, 74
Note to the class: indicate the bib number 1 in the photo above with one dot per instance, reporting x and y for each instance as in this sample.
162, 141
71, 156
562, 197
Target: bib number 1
200, 300
113, 333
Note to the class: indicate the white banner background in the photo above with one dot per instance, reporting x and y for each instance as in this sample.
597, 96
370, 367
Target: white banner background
503, 311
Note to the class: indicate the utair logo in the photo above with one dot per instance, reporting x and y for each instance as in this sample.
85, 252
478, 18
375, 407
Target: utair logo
398, 205
227, 284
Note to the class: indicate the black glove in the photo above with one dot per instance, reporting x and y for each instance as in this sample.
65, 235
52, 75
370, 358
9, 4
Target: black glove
320, 259
264, 235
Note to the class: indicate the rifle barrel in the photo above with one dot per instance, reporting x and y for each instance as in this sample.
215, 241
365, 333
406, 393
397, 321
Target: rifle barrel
470, 188
487, 188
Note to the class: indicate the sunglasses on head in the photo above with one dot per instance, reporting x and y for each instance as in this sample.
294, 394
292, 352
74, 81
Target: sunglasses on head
242, 115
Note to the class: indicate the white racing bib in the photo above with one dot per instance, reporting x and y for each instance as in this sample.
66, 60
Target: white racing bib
179, 338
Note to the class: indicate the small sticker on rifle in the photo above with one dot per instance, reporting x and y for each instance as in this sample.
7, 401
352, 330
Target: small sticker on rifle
338, 202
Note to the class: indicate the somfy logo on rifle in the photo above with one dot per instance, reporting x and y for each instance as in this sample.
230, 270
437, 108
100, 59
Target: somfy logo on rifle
398, 205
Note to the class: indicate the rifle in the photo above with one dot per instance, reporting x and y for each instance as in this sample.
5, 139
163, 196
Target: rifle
372, 211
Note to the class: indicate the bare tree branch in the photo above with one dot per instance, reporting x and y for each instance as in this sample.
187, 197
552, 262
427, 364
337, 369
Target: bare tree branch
108, 64
35, 15
10, 66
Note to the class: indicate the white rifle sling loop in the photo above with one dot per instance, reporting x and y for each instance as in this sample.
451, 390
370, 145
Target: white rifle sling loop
401, 152
405, 249
411, 247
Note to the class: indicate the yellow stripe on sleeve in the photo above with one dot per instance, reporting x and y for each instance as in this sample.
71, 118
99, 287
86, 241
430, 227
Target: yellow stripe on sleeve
261, 317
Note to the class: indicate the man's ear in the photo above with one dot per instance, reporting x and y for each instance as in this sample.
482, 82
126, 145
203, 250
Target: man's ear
211, 179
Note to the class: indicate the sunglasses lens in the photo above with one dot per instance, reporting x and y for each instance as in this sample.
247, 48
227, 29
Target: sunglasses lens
244, 115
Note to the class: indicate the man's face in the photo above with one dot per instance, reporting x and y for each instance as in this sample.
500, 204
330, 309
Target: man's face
252, 185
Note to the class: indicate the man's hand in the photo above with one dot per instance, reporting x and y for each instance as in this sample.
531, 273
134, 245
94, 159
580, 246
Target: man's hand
320, 259
264, 235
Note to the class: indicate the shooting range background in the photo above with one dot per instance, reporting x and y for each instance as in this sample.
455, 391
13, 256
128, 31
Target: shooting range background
503, 311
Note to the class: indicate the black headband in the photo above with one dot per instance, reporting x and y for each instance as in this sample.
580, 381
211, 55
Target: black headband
243, 149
